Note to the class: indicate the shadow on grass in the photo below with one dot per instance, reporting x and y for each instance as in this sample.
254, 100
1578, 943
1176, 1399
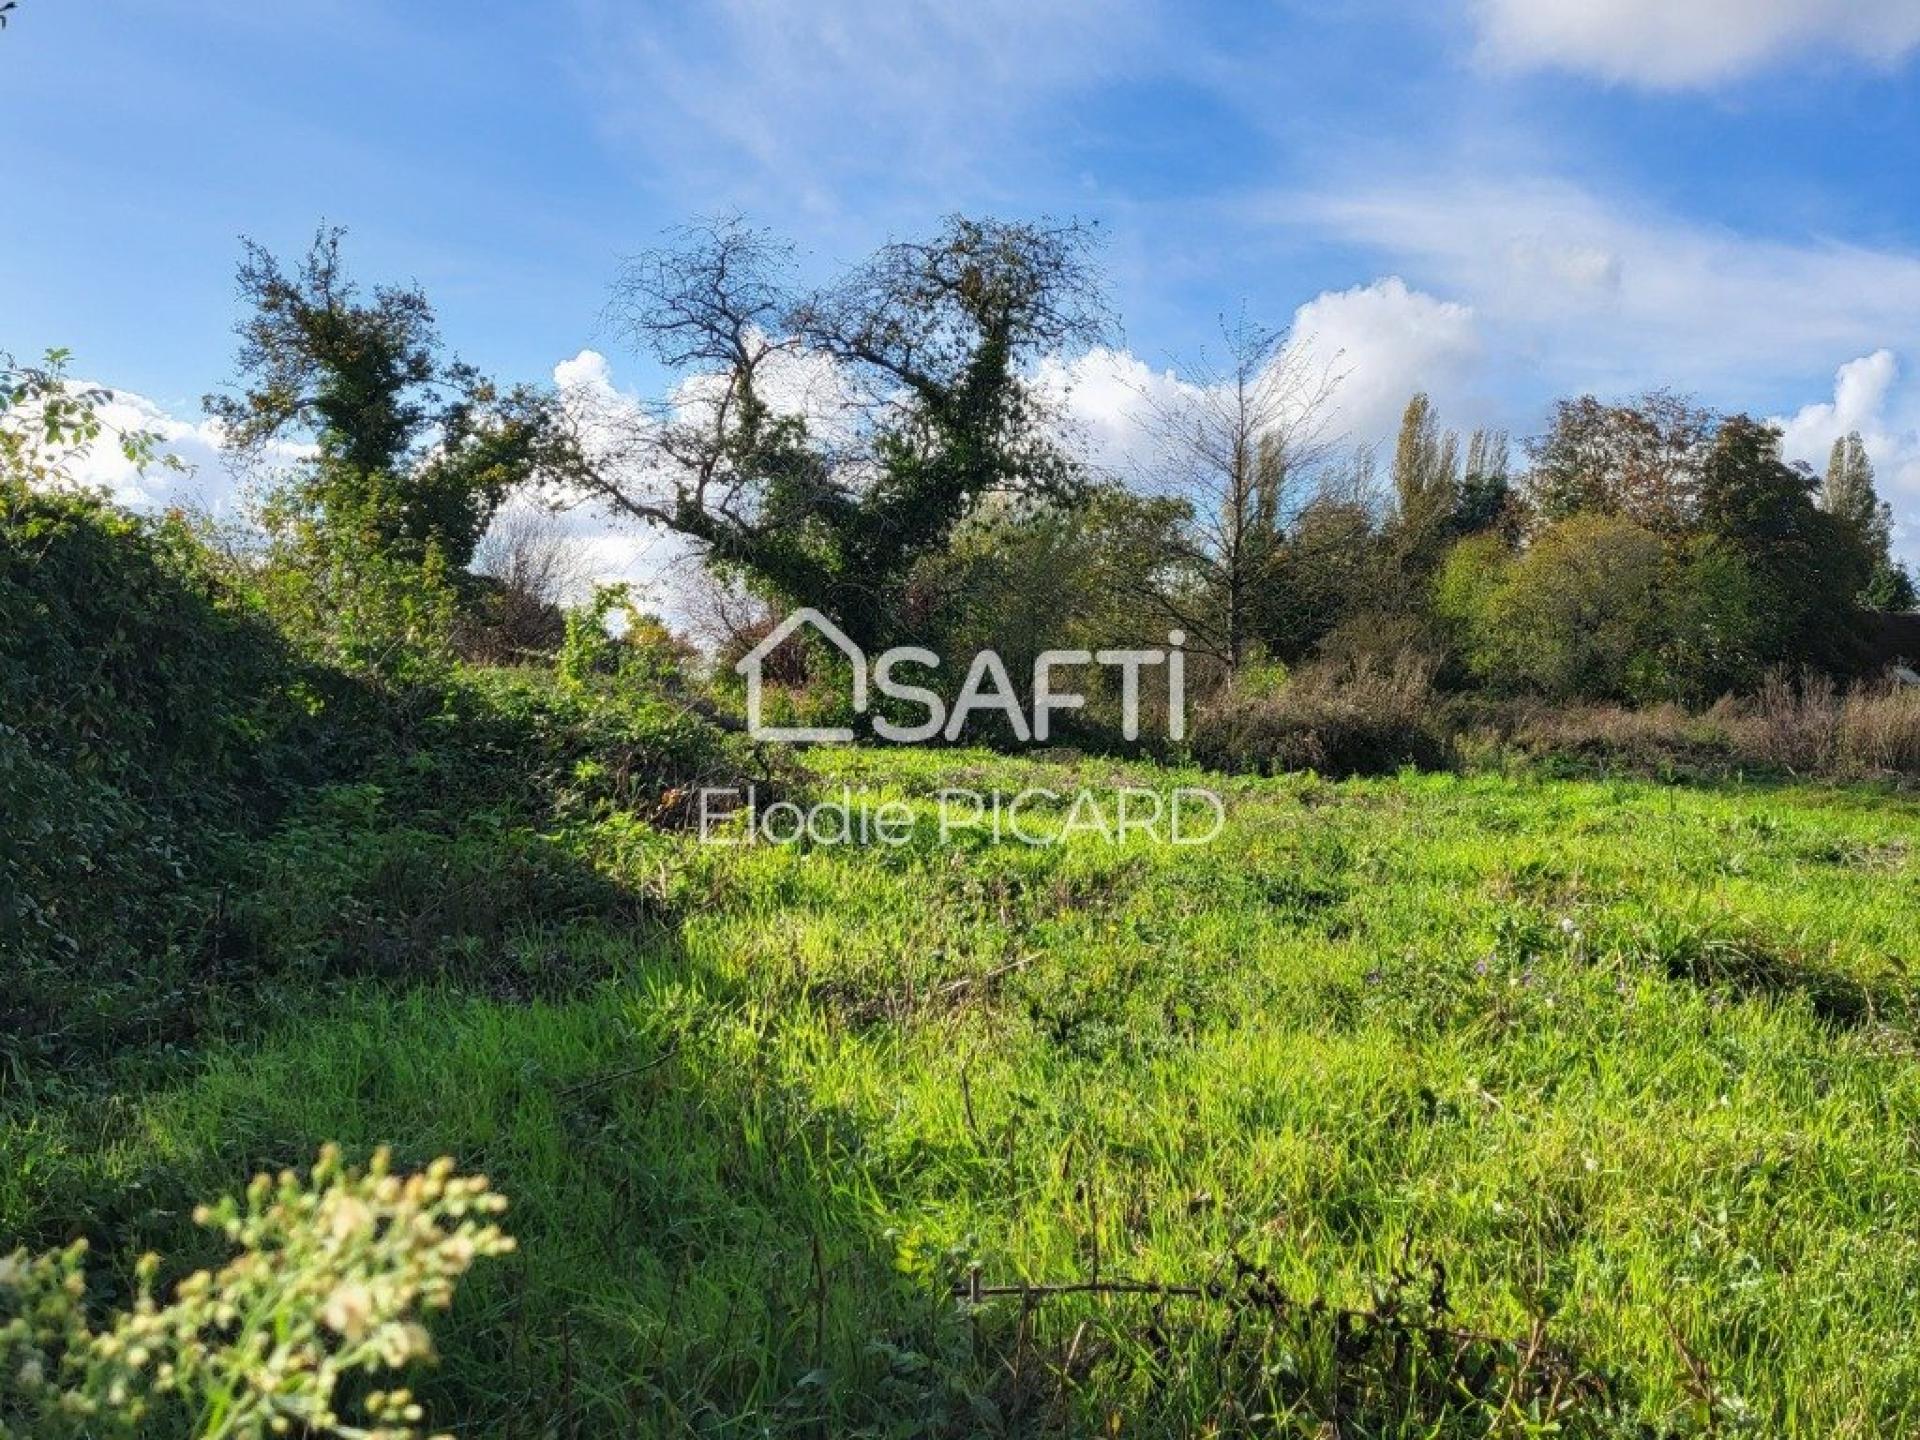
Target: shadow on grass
1747, 966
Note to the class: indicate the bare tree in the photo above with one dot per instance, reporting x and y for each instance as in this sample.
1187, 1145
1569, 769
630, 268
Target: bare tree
821, 442
723, 617
530, 551
536, 568
1239, 437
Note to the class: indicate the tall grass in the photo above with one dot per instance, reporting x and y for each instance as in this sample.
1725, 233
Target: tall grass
1796, 725
1364, 717
1632, 1064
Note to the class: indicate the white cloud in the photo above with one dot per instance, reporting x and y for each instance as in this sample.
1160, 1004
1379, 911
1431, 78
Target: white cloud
1611, 298
1106, 397
589, 368
1386, 341
771, 93
207, 481
1869, 396
1670, 44
612, 552
616, 550
1380, 343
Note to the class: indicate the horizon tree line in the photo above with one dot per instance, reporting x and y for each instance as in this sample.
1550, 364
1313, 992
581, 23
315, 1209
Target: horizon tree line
879, 447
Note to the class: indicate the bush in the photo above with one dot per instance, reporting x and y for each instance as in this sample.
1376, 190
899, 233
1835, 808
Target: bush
1362, 718
1578, 614
151, 714
1793, 726
1652, 740
167, 756
1805, 726
329, 1282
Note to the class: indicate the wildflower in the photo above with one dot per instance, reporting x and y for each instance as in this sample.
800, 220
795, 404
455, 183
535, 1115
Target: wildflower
349, 1216
348, 1309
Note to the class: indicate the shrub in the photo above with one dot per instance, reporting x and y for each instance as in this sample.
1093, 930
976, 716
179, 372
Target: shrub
330, 1281
158, 728
150, 713
1656, 739
1800, 725
1880, 728
1578, 614
1361, 718
1804, 725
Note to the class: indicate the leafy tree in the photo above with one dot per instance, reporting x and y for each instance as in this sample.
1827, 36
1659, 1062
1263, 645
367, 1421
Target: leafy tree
1022, 577
1848, 495
1890, 588
1639, 460
1578, 614
413, 451
1716, 624
1426, 482
907, 402
1330, 568
1464, 589
1486, 490
1809, 564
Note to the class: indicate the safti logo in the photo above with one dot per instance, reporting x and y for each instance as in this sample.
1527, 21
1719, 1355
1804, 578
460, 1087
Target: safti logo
988, 687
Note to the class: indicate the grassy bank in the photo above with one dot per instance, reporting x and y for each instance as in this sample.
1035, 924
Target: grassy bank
1631, 1064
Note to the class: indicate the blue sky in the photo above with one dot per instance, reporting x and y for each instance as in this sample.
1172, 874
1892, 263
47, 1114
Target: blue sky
1498, 200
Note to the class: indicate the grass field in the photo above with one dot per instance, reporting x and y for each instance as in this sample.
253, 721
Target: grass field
1625, 1071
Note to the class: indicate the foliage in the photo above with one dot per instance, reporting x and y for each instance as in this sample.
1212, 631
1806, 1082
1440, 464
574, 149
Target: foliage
150, 711
915, 403
47, 424
1718, 624
1806, 565
1329, 569
1020, 579
1426, 481
1746, 575
413, 452
170, 762
1577, 613
1369, 717
394, 461
1847, 494
1640, 461
357, 608
329, 1282
643, 654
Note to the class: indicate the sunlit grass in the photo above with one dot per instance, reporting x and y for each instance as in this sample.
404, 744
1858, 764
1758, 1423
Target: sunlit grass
1637, 1062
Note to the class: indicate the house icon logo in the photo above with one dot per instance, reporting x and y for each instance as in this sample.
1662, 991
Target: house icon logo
986, 687
751, 664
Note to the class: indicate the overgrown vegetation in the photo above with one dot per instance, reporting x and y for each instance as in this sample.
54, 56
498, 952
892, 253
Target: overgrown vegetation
1516, 1089
1630, 1063
328, 1283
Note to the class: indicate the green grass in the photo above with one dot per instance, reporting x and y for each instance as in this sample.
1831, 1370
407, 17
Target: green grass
1635, 1064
